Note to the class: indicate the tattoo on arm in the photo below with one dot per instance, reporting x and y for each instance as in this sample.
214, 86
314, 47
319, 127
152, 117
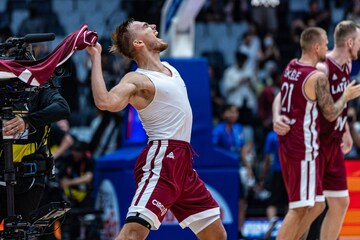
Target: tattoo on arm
329, 109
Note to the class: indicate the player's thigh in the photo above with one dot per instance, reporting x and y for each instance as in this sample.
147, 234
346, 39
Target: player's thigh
214, 231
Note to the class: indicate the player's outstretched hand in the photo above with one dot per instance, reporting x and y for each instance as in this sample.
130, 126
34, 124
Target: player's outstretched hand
352, 91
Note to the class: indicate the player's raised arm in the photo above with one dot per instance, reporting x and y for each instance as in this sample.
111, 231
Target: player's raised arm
118, 97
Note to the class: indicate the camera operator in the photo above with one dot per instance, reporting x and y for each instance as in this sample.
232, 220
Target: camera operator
29, 130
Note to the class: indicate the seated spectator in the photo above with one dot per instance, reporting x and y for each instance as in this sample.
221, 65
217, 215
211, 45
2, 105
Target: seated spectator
76, 178
60, 140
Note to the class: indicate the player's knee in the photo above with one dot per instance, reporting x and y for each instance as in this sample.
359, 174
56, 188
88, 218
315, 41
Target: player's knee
339, 204
218, 235
135, 228
300, 212
209, 229
319, 207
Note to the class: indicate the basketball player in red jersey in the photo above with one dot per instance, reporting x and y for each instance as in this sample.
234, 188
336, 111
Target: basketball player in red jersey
303, 90
335, 139
165, 178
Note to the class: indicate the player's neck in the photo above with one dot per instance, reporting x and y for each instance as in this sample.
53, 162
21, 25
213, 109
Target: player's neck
340, 56
308, 60
150, 62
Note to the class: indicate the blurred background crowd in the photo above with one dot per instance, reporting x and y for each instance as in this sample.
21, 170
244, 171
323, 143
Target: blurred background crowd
247, 47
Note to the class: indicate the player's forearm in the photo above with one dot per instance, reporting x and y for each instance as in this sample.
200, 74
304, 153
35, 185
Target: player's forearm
276, 105
331, 112
329, 109
100, 93
85, 179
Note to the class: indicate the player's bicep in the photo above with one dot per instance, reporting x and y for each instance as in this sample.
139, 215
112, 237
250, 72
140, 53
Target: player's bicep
120, 95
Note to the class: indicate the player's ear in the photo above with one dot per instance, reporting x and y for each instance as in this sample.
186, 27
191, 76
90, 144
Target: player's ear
350, 42
316, 47
137, 43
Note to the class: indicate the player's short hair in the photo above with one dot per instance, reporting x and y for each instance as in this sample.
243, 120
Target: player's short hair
310, 36
344, 30
122, 38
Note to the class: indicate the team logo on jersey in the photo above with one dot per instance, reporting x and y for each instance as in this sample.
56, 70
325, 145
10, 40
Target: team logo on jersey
170, 155
334, 77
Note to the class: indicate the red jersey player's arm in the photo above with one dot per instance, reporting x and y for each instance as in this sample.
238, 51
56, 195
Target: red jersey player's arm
321, 92
280, 122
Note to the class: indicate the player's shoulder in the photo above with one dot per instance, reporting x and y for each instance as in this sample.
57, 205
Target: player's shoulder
133, 78
323, 67
317, 74
133, 75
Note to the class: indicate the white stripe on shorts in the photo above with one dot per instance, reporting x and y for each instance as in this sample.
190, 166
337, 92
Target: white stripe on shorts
151, 175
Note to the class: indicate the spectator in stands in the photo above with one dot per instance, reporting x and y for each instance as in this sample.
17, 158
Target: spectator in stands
354, 128
147, 11
229, 135
76, 177
41, 19
250, 45
238, 84
296, 28
60, 139
354, 12
270, 50
217, 99
271, 79
212, 11
272, 168
317, 17
237, 10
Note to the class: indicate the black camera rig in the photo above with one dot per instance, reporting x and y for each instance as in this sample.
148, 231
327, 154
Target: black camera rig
12, 93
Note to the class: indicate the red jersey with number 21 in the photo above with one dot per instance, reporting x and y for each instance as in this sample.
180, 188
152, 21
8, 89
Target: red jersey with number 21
302, 141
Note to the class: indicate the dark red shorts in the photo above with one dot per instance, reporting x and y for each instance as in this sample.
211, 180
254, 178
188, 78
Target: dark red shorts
165, 181
300, 178
333, 170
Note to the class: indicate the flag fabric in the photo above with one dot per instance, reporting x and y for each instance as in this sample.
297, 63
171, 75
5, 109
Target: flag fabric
37, 72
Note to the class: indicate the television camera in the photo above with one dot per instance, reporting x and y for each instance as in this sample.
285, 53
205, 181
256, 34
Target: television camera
12, 93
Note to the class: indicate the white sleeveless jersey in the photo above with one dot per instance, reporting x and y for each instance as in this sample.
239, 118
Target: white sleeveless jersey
169, 115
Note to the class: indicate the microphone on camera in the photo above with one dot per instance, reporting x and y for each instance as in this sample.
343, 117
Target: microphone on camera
28, 38
38, 37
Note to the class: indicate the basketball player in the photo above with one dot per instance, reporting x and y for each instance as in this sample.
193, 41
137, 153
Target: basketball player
303, 90
334, 136
165, 179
